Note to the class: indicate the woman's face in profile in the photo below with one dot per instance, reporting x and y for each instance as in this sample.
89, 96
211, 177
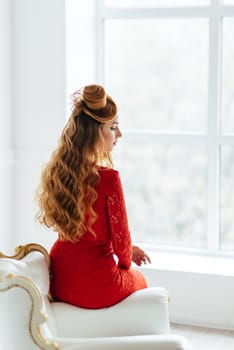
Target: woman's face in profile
110, 133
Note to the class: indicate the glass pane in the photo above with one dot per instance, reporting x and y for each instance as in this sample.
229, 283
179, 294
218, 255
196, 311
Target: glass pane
165, 190
228, 77
159, 3
227, 198
157, 70
228, 2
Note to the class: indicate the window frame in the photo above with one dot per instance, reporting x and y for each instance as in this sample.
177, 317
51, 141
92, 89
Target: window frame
213, 139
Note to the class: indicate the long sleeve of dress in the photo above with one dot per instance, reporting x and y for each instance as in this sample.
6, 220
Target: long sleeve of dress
118, 221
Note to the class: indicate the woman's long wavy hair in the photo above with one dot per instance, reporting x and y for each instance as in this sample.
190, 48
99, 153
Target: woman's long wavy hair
67, 193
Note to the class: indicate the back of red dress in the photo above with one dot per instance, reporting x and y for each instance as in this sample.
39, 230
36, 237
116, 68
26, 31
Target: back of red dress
96, 272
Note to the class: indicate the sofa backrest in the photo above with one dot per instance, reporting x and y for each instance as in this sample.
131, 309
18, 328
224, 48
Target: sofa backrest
24, 306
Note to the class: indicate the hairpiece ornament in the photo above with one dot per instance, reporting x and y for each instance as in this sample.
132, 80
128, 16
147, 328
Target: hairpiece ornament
95, 103
94, 97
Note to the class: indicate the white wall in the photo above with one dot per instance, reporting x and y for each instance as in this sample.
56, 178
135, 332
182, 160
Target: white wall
32, 109
5, 125
38, 65
201, 288
47, 52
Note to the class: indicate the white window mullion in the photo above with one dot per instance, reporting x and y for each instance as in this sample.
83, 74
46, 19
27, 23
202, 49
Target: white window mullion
156, 12
173, 139
100, 43
213, 129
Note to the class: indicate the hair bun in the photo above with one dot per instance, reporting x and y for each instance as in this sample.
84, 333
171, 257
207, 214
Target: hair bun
94, 97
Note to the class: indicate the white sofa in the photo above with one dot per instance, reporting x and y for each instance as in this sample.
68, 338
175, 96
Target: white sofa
28, 320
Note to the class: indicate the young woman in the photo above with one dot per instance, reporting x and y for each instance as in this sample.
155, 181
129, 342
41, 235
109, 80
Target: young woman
81, 197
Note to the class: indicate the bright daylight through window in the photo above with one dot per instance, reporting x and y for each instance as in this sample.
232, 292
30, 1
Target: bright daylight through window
171, 72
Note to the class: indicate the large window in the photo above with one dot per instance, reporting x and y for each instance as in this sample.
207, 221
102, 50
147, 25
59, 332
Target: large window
171, 71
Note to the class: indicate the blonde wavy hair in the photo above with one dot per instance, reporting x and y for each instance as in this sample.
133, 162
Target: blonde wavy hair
66, 193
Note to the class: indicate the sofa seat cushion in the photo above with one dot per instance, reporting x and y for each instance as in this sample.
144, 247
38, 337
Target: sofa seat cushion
131, 316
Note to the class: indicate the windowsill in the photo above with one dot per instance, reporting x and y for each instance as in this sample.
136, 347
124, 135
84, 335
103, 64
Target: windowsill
191, 263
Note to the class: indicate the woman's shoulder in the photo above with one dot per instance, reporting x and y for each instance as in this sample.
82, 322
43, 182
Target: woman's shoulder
108, 172
109, 178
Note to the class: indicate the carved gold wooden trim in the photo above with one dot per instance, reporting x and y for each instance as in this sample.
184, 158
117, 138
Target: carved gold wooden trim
22, 250
36, 314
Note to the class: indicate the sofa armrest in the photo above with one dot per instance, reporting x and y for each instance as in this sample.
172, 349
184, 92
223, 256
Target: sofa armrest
22, 316
143, 312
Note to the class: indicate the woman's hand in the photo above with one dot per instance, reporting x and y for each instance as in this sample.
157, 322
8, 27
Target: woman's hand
139, 256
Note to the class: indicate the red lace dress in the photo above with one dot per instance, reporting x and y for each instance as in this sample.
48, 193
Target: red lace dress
87, 273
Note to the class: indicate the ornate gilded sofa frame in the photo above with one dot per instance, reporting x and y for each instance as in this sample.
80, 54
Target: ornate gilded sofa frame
30, 320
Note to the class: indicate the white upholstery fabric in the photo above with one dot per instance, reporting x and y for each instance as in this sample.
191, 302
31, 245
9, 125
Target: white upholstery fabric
139, 322
143, 312
15, 307
144, 342
38, 269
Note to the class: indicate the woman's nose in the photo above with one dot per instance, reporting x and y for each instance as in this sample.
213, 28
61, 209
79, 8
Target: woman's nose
119, 133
